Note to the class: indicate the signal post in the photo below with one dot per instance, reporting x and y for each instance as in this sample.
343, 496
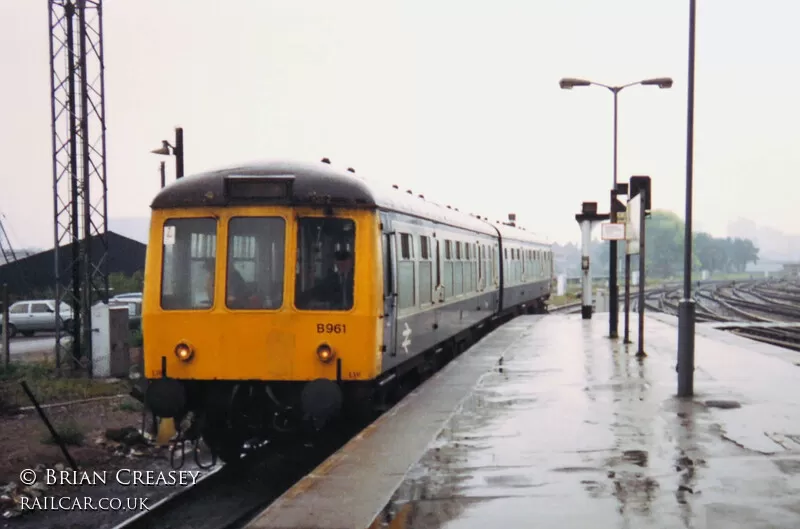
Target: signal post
638, 209
585, 218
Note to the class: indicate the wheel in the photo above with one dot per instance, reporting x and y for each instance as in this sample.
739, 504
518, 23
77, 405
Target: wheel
12, 330
27, 334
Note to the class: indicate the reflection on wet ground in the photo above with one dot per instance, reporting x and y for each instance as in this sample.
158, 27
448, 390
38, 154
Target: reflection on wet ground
575, 431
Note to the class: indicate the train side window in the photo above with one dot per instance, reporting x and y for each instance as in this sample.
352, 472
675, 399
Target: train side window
473, 269
406, 285
325, 268
458, 271
481, 264
425, 271
189, 262
447, 282
467, 268
424, 247
405, 246
438, 264
493, 266
255, 263
387, 265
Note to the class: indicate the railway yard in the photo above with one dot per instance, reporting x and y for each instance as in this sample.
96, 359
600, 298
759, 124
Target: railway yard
271, 485
764, 310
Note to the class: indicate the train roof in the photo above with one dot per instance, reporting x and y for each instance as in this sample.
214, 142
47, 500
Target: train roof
316, 184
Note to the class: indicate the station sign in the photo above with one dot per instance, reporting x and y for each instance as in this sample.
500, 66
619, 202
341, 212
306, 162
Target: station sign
612, 231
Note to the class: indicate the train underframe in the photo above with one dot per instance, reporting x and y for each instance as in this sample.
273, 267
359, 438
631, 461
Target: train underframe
232, 415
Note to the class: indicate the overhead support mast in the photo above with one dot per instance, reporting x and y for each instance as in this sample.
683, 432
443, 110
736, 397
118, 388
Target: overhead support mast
79, 170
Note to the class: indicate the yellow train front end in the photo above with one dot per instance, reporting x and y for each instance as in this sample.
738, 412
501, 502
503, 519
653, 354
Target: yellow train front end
260, 319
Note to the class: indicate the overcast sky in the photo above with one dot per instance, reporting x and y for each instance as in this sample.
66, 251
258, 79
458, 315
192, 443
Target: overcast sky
453, 99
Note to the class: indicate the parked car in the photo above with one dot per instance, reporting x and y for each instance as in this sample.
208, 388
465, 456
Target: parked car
29, 317
130, 296
131, 300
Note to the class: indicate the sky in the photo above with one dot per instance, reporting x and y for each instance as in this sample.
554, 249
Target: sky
456, 100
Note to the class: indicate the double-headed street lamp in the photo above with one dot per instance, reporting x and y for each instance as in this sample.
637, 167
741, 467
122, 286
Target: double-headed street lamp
568, 84
167, 149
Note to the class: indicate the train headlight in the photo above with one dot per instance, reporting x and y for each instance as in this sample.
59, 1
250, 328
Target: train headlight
325, 353
184, 352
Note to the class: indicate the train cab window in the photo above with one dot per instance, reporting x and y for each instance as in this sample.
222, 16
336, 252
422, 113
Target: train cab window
406, 285
425, 271
255, 263
188, 267
326, 264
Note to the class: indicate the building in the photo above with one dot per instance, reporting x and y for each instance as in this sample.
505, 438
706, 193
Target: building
34, 276
791, 269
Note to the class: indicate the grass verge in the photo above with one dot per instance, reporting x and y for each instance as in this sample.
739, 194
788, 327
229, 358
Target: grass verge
49, 388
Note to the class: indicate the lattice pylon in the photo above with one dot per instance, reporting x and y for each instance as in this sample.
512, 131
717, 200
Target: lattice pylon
79, 170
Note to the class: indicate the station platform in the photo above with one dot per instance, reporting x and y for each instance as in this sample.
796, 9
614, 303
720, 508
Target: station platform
547, 423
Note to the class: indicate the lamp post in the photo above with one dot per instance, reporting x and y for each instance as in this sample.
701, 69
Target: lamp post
167, 149
686, 307
568, 84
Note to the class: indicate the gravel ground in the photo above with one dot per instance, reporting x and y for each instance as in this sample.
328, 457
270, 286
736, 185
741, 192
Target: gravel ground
128, 499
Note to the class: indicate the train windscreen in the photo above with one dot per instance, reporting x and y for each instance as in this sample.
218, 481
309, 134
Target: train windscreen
255, 263
325, 263
189, 260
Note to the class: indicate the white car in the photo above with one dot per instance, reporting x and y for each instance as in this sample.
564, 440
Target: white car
28, 317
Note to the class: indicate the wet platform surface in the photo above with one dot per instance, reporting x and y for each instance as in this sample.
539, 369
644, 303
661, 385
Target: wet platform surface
571, 429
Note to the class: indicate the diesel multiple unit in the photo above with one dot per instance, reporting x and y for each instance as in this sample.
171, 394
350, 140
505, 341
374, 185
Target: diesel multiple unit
280, 295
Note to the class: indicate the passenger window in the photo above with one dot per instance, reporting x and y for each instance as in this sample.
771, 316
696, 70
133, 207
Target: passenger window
325, 269
458, 272
189, 263
22, 308
405, 246
448, 269
406, 286
255, 263
425, 271
424, 247
40, 308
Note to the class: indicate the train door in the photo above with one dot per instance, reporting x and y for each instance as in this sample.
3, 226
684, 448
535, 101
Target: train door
389, 288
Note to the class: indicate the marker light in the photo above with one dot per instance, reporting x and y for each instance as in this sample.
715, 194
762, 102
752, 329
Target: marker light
325, 353
184, 352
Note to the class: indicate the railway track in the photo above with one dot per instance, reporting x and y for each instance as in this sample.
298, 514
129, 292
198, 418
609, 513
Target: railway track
762, 310
230, 495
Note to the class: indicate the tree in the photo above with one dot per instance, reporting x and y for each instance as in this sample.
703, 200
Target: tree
741, 252
663, 244
122, 284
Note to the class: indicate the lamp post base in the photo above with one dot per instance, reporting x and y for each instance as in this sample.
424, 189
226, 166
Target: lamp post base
685, 368
586, 312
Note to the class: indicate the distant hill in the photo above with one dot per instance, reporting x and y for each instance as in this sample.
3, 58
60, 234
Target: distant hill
136, 228
772, 244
